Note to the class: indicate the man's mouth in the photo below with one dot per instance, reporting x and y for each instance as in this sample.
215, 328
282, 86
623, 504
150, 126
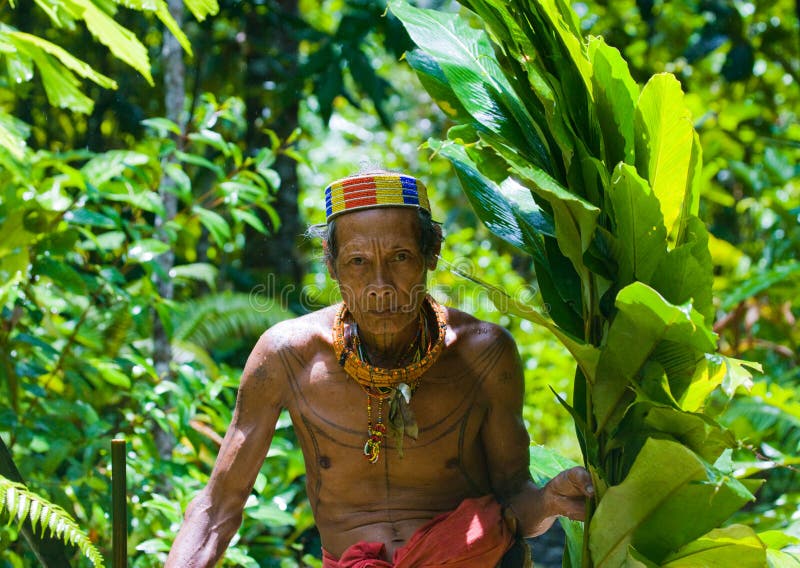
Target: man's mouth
382, 312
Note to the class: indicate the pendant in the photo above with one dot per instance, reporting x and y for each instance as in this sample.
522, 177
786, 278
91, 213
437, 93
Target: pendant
372, 447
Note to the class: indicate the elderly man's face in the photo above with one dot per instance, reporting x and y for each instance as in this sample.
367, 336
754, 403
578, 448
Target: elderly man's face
380, 268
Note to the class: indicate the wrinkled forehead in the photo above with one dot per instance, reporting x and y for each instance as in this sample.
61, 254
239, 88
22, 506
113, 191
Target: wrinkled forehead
387, 227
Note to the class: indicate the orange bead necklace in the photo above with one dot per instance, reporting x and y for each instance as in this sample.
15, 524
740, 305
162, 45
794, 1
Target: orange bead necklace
395, 384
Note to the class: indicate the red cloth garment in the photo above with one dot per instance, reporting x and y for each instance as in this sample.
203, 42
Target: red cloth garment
475, 535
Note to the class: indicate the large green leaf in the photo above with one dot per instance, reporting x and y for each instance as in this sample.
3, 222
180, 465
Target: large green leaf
509, 211
736, 545
501, 215
697, 432
30, 42
122, 42
641, 237
685, 274
616, 94
553, 29
575, 218
644, 319
467, 59
525, 70
61, 85
669, 498
433, 79
664, 139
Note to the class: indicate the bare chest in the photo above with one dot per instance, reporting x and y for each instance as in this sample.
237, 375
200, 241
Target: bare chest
332, 413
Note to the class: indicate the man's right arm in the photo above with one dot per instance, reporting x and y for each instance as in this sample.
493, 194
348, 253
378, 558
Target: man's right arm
214, 515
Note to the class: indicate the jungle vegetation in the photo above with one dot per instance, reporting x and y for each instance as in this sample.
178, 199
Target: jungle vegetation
619, 187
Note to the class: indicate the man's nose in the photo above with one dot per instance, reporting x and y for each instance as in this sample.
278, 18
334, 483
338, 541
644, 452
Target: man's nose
381, 289
382, 278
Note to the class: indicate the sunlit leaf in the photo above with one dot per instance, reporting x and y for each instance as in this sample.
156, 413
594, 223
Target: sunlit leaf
736, 545
664, 143
641, 237
162, 11
13, 133
61, 86
200, 9
83, 69
466, 57
644, 319
616, 94
201, 271
145, 250
664, 503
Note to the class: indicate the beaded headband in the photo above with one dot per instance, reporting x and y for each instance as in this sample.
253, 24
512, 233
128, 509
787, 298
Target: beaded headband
374, 190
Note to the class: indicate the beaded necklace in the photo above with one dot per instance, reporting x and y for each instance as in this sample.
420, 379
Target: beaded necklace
396, 384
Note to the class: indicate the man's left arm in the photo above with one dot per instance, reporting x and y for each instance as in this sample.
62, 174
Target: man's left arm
507, 446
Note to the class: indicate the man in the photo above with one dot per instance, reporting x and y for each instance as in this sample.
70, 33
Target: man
409, 414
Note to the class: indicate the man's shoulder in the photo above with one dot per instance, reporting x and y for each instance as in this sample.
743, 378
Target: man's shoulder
309, 331
470, 332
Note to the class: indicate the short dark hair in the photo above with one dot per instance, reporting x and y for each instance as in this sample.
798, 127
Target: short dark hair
429, 238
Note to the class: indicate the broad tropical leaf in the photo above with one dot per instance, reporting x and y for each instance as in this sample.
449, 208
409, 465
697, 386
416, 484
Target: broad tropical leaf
616, 94
641, 239
644, 319
736, 545
467, 59
667, 501
664, 144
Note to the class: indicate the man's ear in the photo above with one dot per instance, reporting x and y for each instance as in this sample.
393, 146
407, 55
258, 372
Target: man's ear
433, 259
328, 260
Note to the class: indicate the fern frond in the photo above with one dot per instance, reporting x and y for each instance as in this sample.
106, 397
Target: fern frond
18, 502
217, 317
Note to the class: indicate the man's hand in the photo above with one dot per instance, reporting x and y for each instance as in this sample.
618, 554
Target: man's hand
566, 494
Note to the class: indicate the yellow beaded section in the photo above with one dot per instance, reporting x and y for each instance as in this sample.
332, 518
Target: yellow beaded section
370, 376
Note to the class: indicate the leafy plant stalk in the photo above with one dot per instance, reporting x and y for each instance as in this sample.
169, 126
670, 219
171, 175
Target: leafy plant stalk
608, 211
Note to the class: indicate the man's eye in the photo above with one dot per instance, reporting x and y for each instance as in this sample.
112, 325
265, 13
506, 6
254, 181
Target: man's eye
359, 260
401, 256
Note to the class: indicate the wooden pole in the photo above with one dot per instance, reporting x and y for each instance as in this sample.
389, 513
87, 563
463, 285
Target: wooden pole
119, 505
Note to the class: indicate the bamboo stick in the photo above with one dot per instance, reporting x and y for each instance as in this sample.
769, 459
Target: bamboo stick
119, 505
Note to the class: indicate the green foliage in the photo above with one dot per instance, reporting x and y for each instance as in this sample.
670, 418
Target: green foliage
336, 55
79, 259
61, 72
607, 209
16, 501
79, 242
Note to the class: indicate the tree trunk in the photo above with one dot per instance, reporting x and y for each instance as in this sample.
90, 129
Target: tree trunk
273, 61
175, 92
